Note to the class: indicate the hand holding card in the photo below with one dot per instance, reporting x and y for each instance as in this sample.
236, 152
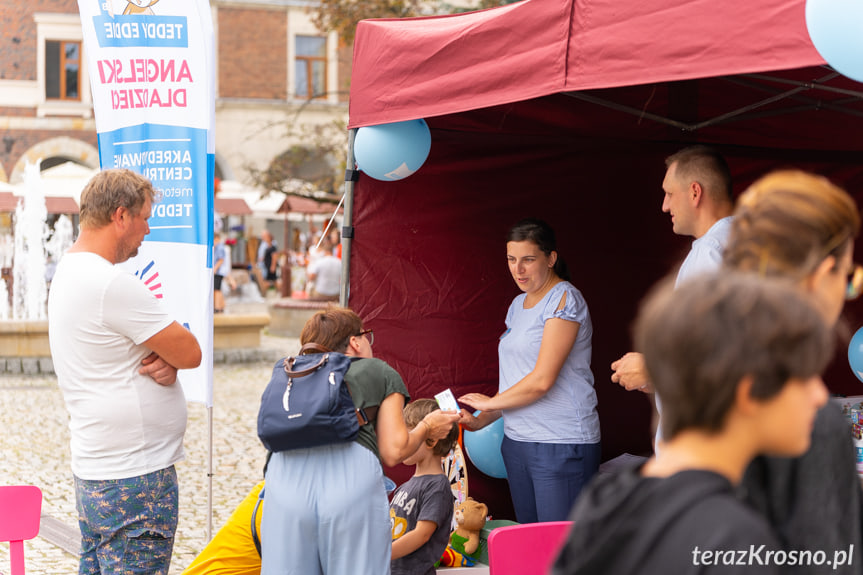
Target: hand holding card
446, 401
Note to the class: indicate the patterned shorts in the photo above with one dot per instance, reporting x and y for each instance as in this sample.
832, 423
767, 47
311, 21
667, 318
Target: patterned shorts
127, 525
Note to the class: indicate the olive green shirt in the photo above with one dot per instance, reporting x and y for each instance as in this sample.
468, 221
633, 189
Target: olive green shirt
371, 381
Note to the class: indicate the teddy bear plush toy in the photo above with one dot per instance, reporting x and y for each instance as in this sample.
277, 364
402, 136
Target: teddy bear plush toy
463, 549
470, 518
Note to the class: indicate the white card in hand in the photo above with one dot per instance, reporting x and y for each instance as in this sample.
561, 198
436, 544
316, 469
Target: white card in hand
446, 401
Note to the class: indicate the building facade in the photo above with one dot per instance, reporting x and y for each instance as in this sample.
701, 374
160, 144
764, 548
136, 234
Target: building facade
277, 78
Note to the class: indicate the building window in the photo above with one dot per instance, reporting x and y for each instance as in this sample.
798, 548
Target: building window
311, 79
62, 70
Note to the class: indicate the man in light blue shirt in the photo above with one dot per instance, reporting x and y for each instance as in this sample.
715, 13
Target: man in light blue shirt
698, 197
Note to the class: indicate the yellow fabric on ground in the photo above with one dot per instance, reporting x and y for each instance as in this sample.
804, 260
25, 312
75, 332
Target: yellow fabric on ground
232, 551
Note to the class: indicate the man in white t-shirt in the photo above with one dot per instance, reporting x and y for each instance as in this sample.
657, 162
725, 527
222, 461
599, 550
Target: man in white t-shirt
325, 274
698, 196
116, 353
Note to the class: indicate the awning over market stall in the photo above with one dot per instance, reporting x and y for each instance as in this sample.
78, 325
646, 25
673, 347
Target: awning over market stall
54, 205
8, 201
425, 67
231, 206
297, 205
61, 205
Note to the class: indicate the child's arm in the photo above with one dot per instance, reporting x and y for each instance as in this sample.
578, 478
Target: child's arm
414, 539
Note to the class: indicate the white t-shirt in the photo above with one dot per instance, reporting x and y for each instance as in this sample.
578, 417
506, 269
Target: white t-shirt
328, 270
122, 424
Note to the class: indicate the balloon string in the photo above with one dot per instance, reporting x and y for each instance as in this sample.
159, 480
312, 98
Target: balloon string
324, 233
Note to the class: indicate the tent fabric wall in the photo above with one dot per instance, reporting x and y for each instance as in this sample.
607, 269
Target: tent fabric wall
428, 269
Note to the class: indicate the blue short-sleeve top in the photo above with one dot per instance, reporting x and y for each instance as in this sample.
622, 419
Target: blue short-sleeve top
567, 413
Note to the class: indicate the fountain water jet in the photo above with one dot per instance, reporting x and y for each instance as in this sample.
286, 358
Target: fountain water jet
4, 301
29, 289
24, 331
24, 335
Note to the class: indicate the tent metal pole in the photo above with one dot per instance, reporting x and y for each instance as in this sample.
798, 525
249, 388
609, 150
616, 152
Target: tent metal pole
798, 87
681, 125
348, 220
808, 103
740, 111
629, 110
814, 85
209, 473
722, 118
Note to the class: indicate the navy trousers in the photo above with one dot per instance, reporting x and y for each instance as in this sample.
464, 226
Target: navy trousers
546, 478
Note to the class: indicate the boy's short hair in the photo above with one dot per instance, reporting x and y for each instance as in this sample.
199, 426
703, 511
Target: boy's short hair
416, 410
701, 339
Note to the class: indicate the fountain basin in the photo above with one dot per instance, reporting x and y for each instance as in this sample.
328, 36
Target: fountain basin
233, 331
289, 315
24, 343
24, 338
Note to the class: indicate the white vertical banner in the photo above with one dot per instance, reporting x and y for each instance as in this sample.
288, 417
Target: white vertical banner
152, 75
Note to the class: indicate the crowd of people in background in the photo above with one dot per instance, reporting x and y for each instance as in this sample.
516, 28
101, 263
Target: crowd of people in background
309, 269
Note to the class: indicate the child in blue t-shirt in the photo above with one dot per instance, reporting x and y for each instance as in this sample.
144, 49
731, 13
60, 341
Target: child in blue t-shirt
421, 509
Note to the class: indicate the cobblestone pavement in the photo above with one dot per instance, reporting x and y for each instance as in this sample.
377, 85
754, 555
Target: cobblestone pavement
34, 449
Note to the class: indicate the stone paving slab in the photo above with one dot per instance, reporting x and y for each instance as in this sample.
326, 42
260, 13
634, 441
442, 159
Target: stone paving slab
66, 537
34, 449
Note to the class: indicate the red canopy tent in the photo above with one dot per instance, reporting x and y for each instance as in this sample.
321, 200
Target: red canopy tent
565, 110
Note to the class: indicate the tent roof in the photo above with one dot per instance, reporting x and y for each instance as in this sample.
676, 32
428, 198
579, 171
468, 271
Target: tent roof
53, 204
297, 205
61, 205
231, 206
8, 202
443, 65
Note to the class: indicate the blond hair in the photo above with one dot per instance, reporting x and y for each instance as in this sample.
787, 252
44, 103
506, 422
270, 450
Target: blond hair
787, 222
700, 340
112, 189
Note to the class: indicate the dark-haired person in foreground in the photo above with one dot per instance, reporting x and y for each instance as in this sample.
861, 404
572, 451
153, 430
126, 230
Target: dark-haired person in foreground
737, 360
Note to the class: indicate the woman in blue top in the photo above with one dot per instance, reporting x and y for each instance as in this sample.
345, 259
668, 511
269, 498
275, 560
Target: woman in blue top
551, 428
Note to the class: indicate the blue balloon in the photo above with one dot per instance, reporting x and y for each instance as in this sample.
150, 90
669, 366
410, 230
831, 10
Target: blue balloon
483, 448
834, 27
855, 354
391, 152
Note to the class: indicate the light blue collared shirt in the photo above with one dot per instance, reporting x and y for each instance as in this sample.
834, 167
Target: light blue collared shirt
705, 256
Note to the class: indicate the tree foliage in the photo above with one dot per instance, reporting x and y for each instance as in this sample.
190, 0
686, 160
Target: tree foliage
311, 167
343, 15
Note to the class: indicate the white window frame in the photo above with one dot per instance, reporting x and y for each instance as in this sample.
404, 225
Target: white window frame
61, 27
300, 24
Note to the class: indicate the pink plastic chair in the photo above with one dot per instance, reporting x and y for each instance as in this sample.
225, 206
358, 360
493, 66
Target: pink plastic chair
525, 549
20, 510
